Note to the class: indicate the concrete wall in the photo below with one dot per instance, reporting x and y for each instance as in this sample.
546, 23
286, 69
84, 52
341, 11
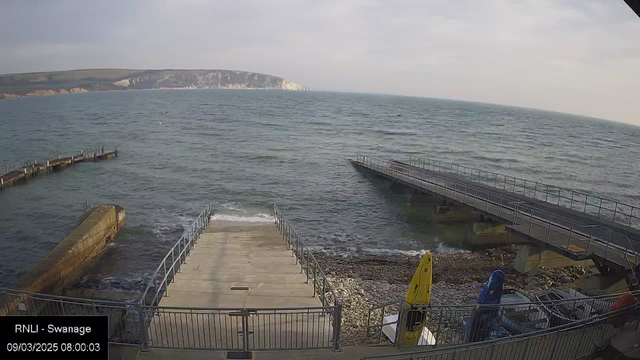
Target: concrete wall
67, 261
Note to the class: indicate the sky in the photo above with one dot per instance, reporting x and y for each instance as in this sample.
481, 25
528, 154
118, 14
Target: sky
575, 56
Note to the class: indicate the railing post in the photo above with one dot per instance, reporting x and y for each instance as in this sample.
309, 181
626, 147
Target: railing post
607, 248
337, 325
324, 281
570, 234
315, 277
179, 254
245, 330
571, 203
546, 193
530, 222
142, 324
400, 326
164, 266
615, 211
173, 265
600, 207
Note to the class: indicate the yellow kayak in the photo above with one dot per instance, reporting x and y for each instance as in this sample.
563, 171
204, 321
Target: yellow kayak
419, 293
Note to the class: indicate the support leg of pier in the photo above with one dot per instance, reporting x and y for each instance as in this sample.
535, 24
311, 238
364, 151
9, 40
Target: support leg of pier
530, 257
487, 234
455, 214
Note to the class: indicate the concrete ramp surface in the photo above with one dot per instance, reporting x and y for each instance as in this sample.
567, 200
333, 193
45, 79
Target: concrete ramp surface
241, 280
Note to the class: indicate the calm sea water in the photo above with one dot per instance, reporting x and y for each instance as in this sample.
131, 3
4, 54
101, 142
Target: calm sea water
245, 150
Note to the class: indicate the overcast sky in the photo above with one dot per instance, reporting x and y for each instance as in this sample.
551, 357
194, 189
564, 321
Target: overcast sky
575, 56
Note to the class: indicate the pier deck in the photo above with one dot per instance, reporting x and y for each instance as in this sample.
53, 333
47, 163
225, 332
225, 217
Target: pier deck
576, 235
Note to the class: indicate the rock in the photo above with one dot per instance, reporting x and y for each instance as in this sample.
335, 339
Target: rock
536, 271
565, 279
529, 286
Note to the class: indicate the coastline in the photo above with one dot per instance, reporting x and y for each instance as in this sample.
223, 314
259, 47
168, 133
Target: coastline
366, 281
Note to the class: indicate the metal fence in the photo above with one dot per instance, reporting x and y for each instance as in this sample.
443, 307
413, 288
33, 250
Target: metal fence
612, 246
126, 320
171, 263
459, 324
567, 342
244, 329
607, 209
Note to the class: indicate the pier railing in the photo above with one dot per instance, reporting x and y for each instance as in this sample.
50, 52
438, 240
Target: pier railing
570, 341
452, 324
580, 201
554, 229
170, 265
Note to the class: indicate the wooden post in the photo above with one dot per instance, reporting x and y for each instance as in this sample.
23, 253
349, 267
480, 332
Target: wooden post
72, 159
1, 183
48, 166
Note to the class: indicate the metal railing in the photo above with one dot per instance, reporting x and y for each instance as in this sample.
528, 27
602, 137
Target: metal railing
600, 207
308, 263
577, 238
176, 256
126, 320
243, 329
510, 209
454, 324
570, 341
312, 269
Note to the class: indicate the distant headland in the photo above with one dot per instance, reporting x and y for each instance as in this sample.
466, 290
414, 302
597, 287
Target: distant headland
86, 80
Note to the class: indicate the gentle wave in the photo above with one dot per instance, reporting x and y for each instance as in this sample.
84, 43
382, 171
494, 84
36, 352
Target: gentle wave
255, 218
395, 132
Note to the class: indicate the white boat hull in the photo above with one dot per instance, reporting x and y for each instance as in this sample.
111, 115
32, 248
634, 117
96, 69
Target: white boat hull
389, 330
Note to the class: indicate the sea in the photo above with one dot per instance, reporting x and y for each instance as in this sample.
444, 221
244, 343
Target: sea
244, 150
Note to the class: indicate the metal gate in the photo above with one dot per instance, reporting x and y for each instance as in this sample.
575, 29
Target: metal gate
244, 329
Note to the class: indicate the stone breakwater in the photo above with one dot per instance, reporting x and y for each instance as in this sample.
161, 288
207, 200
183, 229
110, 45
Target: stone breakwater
366, 281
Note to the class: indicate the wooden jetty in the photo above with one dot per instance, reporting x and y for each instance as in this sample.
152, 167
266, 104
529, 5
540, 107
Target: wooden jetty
32, 169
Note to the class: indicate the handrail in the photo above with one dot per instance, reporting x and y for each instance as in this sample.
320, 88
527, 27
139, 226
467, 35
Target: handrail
494, 306
582, 324
599, 300
310, 266
304, 256
183, 247
492, 180
511, 208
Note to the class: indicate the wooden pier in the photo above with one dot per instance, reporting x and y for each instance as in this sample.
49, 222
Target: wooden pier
33, 169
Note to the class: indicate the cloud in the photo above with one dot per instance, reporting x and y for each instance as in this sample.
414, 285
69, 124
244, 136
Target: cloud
573, 56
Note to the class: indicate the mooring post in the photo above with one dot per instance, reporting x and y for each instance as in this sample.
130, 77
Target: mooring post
72, 159
48, 166
1, 183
